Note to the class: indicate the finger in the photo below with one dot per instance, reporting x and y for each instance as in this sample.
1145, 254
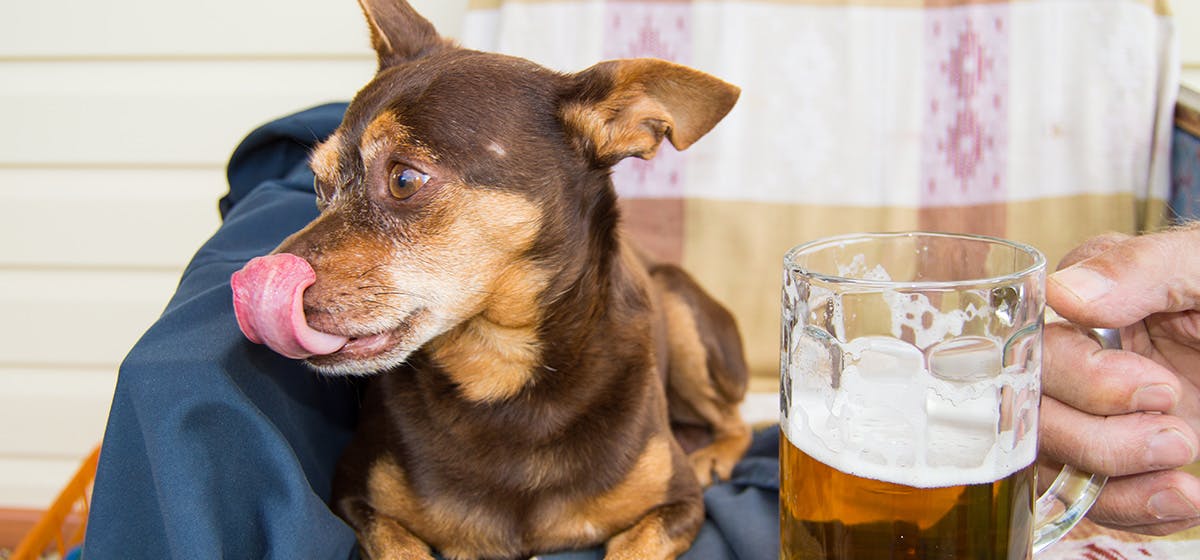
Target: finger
1092, 247
1131, 280
1157, 503
1077, 372
1115, 445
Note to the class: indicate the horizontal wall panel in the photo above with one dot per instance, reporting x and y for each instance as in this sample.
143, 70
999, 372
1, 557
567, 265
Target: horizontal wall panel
1187, 14
34, 483
61, 413
144, 218
66, 318
190, 113
214, 27
134, 27
1191, 77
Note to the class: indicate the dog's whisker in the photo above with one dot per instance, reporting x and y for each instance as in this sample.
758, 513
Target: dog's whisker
375, 287
377, 303
370, 270
390, 291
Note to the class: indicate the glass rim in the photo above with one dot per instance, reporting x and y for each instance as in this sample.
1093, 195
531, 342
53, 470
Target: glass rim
789, 261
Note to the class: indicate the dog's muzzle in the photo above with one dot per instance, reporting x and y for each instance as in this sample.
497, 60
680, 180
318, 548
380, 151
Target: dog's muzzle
268, 300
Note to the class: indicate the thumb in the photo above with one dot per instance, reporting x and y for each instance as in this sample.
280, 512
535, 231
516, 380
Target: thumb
1156, 273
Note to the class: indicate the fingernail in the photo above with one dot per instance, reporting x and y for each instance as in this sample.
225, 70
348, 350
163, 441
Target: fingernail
1169, 449
1085, 283
1160, 398
1170, 505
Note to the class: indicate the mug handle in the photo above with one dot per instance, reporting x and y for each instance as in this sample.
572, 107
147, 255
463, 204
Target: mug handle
1074, 491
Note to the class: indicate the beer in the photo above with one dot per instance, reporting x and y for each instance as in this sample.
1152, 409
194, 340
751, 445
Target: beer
910, 454
910, 379
828, 514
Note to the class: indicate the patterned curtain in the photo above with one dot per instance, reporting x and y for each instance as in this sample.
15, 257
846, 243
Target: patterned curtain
1044, 121
1185, 158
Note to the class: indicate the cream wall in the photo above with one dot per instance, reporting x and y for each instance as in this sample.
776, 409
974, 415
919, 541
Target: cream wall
118, 119
1187, 15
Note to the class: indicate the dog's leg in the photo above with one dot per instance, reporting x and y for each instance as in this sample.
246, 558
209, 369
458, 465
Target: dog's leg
707, 375
662, 534
371, 493
381, 537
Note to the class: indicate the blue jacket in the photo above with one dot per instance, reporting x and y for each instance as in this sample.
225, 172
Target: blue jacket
219, 448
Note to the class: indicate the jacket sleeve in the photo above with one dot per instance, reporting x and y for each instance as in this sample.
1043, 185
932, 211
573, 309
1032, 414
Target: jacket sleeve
217, 447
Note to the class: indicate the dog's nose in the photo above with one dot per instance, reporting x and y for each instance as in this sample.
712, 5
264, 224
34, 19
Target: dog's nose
268, 300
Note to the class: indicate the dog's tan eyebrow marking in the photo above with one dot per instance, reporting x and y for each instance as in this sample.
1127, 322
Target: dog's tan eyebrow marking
324, 159
386, 131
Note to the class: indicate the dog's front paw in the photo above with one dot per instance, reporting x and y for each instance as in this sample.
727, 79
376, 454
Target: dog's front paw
663, 534
398, 553
387, 545
404, 555
712, 465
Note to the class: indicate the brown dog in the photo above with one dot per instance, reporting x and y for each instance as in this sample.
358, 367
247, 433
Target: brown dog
541, 374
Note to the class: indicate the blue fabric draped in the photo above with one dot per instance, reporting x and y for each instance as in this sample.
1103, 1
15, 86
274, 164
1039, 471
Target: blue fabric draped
219, 448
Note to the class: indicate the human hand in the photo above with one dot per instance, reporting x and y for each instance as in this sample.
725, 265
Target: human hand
1132, 414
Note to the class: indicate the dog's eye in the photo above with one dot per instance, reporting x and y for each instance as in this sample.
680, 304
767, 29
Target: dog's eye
404, 182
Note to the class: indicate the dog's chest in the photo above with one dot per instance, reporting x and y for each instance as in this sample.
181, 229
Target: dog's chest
507, 499
465, 518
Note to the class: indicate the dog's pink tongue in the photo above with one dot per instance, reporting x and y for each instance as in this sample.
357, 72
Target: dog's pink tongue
268, 299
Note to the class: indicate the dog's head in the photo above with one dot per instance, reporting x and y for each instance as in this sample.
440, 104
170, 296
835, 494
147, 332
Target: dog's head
460, 186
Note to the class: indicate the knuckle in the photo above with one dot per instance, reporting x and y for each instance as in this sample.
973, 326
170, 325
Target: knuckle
1110, 384
1092, 247
1118, 511
1119, 446
1124, 501
1104, 455
1162, 252
1094, 381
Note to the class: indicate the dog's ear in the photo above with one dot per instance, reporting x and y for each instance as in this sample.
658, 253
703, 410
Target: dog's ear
623, 108
398, 32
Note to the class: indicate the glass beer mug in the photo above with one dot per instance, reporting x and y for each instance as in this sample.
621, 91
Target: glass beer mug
910, 386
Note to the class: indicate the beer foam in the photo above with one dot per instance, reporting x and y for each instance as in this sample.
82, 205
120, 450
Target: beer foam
926, 406
889, 417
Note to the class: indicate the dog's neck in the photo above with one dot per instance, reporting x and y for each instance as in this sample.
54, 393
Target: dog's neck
492, 355
541, 321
